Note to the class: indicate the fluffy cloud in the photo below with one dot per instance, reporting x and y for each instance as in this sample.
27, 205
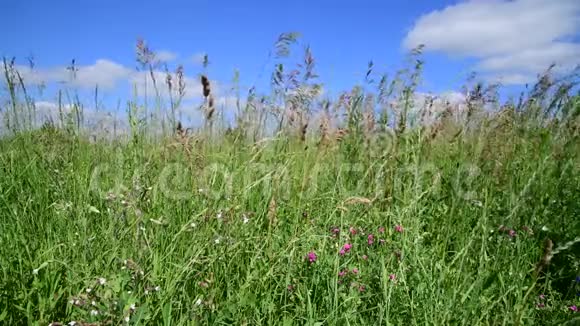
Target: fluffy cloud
110, 75
512, 39
198, 58
104, 73
165, 56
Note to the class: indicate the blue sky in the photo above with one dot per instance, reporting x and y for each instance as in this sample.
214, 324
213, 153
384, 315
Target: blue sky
508, 40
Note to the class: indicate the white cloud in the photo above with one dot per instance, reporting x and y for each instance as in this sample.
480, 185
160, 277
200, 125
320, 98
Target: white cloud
198, 58
104, 73
193, 88
514, 39
110, 75
165, 56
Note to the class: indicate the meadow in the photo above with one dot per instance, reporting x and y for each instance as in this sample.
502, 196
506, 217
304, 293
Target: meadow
363, 209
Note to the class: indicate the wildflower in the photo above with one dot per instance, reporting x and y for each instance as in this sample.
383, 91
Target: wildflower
219, 215
382, 241
542, 296
511, 233
290, 287
93, 303
157, 288
72, 323
352, 231
355, 271
132, 307
341, 252
392, 277
102, 281
198, 302
382, 229
245, 219
94, 312
193, 225
312, 257
573, 308
545, 228
334, 230
577, 279
35, 271
365, 257
540, 305
361, 288
217, 241
342, 273
203, 284
399, 228
71, 301
146, 292
127, 319
88, 290
370, 239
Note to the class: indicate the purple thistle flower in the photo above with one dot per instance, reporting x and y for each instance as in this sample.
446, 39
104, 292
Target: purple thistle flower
365, 257
341, 252
355, 271
511, 233
342, 273
392, 277
311, 256
399, 228
542, 296
352, 231
382, 229
540, 305
573, 308
370, 239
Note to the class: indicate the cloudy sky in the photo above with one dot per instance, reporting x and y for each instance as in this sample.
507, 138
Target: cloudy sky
511, 41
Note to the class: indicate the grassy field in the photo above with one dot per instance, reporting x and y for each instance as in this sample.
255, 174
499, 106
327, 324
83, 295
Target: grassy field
472, 222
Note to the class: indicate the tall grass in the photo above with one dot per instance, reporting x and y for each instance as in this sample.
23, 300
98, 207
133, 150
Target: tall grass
467, 217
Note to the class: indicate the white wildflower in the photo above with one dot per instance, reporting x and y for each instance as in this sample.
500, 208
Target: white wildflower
198, 302
94, 312
245, 219
102, 281
72, 323
88, 290
127, 319
93, 303
132, 307
35, 271
157, 288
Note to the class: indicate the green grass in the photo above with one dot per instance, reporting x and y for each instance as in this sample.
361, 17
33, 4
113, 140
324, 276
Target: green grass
61, 231
448, 221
